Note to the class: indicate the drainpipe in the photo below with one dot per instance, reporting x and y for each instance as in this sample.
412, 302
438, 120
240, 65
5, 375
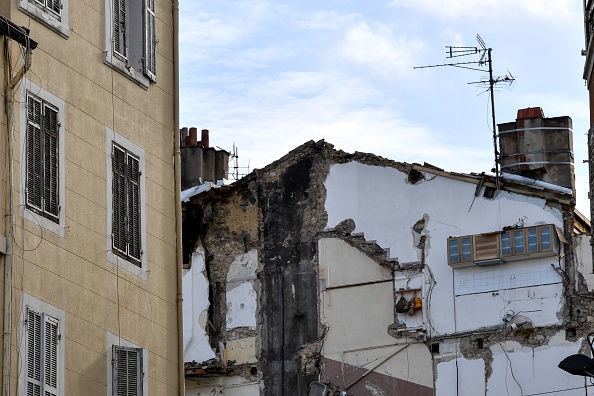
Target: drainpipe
178, 213
9, 227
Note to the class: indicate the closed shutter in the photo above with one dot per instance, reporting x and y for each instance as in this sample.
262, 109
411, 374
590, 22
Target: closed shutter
150, 41
134, 208
51, 204
34, 328
55, 6
126, 205
119, 219
119, 28
127, 371
34, 153
51, 357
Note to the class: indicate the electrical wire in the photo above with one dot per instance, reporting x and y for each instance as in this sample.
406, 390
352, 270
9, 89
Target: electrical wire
559, 390
511, 369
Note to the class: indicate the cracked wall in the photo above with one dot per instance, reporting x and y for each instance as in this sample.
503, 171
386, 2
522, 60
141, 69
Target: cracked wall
292, 241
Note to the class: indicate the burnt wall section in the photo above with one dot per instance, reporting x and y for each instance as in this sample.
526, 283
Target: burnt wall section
289, 281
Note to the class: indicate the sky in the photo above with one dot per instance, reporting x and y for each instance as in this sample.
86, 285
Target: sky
268, 76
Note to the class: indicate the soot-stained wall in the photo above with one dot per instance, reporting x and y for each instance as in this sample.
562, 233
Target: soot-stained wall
289, 281
276, 211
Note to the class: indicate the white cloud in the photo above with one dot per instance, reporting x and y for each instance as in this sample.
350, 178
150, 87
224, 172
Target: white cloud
326, 20
273, 115
376, 46
557, 11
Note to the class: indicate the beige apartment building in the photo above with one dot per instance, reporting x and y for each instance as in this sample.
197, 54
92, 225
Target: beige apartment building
89, 185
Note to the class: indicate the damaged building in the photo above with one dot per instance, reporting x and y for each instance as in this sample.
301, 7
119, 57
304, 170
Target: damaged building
327, 271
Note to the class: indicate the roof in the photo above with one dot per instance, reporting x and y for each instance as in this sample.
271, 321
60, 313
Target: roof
507, 181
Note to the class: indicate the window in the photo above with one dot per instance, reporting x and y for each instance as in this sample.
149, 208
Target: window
42, 353
42, 163
52, 13
127, 366
126, 216
460, 249
512, 244
42, 349
126, 204
131, 38
42, 158
127, 371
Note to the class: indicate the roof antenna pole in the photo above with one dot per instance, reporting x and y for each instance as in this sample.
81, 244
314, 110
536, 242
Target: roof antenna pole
491, 85
454, 52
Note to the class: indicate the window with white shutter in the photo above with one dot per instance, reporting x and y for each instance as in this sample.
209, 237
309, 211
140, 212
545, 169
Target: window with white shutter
42, 354
126, 222
41, 145
131, 38
127, 371
52, 13
150, 40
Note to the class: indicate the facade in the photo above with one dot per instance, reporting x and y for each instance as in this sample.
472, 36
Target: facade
88, 186
334, 272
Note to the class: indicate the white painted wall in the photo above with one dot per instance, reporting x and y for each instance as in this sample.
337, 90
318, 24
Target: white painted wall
534, 369
195, 310
385, 207
357, 315
241, 295
222, 386
583, 255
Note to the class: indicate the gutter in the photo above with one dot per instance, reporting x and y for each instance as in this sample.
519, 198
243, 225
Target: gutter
178, 213
7, 335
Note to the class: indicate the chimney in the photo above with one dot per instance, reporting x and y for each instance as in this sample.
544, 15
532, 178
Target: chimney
538, 147
204, 138
183, 136
192, 139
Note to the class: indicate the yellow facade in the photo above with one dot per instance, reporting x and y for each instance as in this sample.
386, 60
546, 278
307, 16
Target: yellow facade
69, 269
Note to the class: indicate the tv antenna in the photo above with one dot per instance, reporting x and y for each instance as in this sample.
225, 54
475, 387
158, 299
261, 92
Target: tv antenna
235, 160
485, 59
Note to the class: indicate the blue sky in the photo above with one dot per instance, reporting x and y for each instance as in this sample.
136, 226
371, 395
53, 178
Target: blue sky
271, 75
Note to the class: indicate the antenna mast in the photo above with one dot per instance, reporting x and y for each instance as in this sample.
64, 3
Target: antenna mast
485, 60
235, 160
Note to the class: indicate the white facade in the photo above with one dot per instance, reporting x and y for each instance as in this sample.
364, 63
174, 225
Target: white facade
394, 213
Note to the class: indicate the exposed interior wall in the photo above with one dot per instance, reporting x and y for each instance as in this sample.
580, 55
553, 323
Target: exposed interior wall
195, 311
387, 208
357, 308
508, 367
320, 236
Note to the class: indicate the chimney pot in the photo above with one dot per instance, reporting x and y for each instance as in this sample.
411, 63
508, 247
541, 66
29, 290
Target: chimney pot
183, 136
192, 140
530, 112
205, 138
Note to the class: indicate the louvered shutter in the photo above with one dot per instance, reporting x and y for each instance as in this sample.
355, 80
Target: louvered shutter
119, 220
51, 356
55, 6
133, 208
150, 40
50, 162
127, 371
34, 327
119, 28
34, 153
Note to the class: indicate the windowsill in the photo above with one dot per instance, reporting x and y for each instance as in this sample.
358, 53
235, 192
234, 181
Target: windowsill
129, 72
127, 265
43, 222
59, 26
